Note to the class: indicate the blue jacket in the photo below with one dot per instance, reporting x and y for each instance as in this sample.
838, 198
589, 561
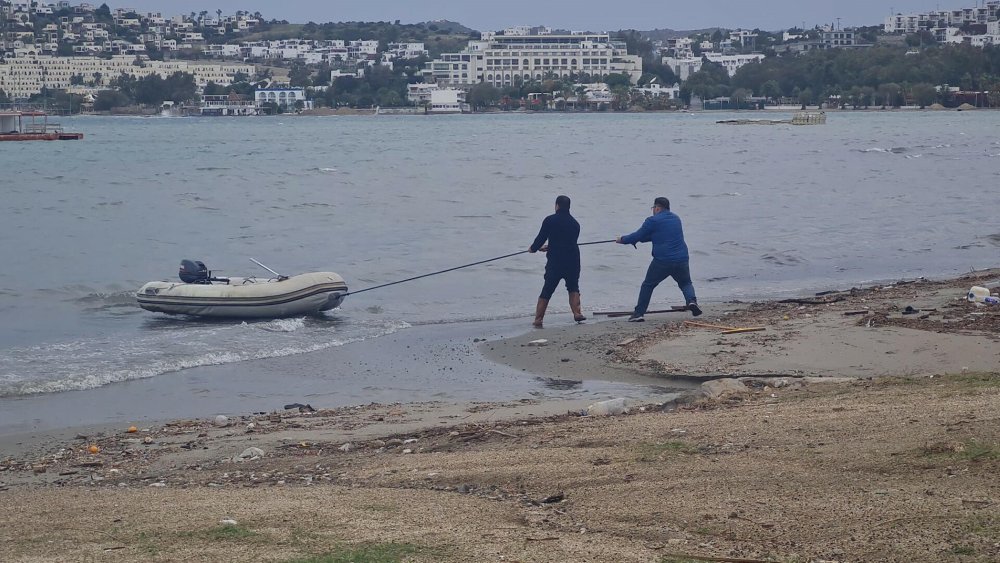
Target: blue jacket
665, 232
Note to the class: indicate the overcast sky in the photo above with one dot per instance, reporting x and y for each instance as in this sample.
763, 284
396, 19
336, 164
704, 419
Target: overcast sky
592, 15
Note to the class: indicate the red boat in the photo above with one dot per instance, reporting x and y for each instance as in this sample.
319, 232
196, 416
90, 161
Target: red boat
32, 126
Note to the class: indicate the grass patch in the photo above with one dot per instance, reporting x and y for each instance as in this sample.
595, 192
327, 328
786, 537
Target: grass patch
148, 545
961, 550
974, 450
655, 452
224, 533
373, 553
969, 450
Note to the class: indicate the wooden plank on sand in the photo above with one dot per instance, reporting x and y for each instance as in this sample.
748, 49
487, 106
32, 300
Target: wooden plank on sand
740, 330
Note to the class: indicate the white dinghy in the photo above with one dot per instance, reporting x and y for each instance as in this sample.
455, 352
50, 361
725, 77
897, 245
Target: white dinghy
200, 294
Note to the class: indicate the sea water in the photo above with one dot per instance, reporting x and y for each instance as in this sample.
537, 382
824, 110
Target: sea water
767, 211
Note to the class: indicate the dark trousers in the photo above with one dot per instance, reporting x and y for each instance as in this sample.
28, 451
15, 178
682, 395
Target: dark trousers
554, 275
658, 271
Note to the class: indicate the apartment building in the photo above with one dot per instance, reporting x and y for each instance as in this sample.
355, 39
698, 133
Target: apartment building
941, 19
24, 76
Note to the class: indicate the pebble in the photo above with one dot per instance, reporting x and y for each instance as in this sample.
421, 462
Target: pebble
251, 454
407, 451
221, 420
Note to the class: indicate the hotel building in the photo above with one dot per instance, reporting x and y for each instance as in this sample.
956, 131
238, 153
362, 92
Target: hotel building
506, 59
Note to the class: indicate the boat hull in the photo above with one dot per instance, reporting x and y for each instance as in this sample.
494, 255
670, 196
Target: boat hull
304, 294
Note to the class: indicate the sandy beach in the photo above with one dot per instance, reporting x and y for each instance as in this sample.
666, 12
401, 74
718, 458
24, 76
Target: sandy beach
856, 425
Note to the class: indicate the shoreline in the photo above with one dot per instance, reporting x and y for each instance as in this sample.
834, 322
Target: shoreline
721, 454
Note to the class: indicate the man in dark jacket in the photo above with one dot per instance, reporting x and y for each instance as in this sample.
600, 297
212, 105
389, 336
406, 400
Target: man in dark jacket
670, 257
563, 259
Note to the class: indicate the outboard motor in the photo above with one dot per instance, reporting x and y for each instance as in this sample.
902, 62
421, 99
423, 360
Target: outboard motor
194, 271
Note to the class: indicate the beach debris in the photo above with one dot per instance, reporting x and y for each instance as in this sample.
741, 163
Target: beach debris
552, 499
909, 310
610, 407
221, 421
741, 330
346, 447
407, 451
627, 341
250, 454
858, 312
301, 407
814, 301
132, 430
410, 441
227, 522
726, 329
978, 294
539, 342
94, 449
147, 440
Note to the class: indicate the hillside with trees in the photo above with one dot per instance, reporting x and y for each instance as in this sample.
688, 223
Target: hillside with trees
882, 76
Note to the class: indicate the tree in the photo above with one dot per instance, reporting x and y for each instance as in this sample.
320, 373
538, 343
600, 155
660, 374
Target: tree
770, 90
739, 97
299, 75
805, 97
110, 99
103, 14
482, 95
621, 79
924, 94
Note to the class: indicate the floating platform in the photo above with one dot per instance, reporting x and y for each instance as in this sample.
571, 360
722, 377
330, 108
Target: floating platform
32, 126
803, 118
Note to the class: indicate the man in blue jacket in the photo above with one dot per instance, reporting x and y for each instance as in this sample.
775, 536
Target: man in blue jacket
562, 260
670, 257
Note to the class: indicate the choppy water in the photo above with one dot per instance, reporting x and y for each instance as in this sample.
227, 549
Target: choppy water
767, 210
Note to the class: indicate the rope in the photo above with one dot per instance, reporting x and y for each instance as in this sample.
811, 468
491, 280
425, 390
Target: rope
460, 267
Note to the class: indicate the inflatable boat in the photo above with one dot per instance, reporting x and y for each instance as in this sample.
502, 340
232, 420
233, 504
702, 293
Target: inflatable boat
199, 294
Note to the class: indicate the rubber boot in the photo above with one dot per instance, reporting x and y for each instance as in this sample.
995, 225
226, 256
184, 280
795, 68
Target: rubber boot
540, 312
574, 305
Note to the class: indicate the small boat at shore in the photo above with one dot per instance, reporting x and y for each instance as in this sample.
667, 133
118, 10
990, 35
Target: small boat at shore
201, 295
32, 126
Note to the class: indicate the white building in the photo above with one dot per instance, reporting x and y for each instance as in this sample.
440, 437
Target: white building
684, 68
655, 89
286, 97
26, 75
420, 93
504, 60
405, 50
447, 100
940, 19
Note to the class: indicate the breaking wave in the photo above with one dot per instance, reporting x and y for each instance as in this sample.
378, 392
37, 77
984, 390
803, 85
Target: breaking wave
173, 346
